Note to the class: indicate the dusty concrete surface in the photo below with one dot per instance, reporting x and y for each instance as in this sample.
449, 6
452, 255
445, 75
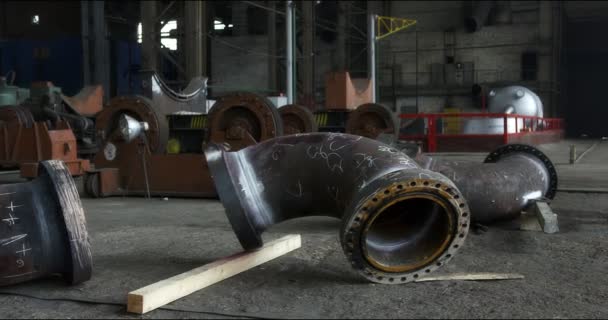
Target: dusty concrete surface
137, 242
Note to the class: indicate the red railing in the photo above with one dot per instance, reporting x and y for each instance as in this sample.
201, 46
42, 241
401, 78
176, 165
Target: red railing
520, 125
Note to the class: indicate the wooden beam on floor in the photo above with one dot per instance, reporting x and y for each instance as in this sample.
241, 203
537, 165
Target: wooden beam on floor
166, 291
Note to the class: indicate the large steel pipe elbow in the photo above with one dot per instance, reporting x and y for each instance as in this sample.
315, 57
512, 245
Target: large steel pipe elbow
509, 180
43, 229
399, 221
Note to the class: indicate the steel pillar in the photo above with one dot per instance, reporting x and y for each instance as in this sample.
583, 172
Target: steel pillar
150, 35
195, 26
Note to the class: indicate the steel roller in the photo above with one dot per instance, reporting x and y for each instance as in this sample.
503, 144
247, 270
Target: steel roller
371, 120
241, 119
297, 119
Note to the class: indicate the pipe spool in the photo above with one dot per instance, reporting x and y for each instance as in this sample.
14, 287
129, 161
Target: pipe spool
511, 178
297, 119
399, 221
139, 108
43, 228
241, 119
16, 114
370, 120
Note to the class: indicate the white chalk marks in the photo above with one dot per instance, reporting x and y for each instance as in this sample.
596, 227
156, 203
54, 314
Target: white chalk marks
333, 159
10, 220
12, 207
7, 241
298, 192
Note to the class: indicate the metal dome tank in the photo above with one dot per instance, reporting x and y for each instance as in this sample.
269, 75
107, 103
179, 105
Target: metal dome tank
509, 100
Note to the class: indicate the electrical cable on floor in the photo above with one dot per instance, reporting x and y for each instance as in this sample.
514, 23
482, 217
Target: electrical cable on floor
113, 303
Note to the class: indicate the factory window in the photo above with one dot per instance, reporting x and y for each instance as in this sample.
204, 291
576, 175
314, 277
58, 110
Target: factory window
218, 25
167, 39
35, 19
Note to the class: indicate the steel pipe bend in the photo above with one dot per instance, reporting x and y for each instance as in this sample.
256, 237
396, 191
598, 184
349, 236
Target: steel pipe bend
399, 221
43, 228
511, 178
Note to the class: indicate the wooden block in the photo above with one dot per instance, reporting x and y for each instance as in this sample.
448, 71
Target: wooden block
473, 277
546, 217
163, 292
529, 222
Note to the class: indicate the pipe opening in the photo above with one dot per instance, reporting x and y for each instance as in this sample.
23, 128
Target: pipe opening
408, 234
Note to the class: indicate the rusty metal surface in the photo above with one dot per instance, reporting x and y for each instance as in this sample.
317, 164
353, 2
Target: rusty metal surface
192, 98
399, 221
242, 119
297, 119
176, 175
509, 180
88, 102
43, 228
16, 114
371, 120
140, 108
23, 146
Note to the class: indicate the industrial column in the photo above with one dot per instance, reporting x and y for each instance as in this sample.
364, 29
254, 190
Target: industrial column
340, 56
272, 46
195, 26
101, 66
289, 11
308, 59
371, 53
150, 35
96, 63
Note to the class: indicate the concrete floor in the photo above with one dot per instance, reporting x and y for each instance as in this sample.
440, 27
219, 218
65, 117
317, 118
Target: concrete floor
137, 242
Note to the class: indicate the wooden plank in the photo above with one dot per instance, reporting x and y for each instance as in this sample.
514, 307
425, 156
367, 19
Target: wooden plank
473, 277
163, 292
546, 217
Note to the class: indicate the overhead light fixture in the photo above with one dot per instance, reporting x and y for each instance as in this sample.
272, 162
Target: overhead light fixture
35, 19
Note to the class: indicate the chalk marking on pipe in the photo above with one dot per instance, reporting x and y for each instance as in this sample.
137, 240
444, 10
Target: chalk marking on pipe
10, 240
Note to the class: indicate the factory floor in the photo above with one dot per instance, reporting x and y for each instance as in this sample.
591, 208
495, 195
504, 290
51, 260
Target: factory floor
137, 242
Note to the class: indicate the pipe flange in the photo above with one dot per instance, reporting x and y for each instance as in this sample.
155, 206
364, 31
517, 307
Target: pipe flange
297, 119
143, 110
357, 229
508, 149
72, 211
372, 119
252, 116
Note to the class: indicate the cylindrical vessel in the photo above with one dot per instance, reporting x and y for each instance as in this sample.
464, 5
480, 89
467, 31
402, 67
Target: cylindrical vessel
398, 220
503, 186
43, 228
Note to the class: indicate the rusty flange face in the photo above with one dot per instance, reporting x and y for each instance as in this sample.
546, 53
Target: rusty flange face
297, 119
139, 108
372, 119
242, 119
17, 114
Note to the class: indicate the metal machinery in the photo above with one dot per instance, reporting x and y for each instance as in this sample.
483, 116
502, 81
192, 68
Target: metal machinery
297, 119
154, 145
399, 221
43, 228
507, 100
510, 179
49, 125
401, 217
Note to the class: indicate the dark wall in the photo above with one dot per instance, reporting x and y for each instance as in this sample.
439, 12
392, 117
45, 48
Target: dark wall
587, 67
57, 19
58, 60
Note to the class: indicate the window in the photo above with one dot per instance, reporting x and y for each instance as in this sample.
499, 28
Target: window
166, 39
218, 25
